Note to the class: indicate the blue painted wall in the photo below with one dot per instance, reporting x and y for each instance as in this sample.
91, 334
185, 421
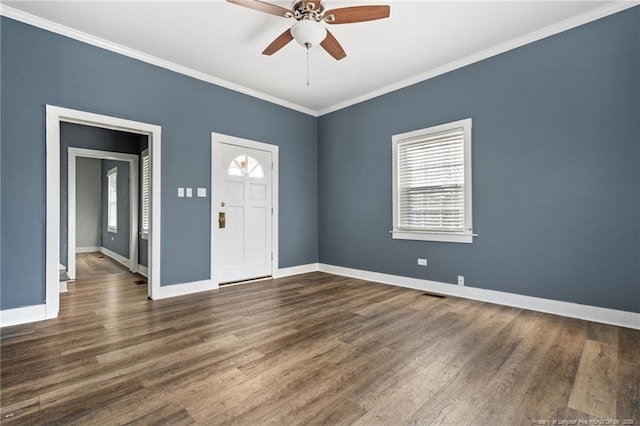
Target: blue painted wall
117, 242
556, 170
39, 68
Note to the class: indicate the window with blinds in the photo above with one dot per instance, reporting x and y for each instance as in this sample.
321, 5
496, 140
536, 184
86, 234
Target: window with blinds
146, 188
112, 200
432, 183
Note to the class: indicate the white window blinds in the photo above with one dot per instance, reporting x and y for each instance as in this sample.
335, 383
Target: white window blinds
431, 183
112, 200
146, 188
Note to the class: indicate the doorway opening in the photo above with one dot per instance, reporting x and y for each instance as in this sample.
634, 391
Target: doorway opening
54, 117
103, 214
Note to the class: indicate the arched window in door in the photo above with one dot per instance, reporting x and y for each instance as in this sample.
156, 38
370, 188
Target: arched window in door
244, 165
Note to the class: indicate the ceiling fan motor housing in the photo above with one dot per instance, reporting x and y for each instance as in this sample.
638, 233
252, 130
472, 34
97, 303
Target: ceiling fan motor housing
307, 10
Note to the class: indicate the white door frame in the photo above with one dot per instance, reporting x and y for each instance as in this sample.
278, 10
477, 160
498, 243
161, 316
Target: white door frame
132, 159
216, 140
54, 116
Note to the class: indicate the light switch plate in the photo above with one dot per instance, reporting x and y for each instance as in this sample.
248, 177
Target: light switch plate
202, 192
189, 192
180, 192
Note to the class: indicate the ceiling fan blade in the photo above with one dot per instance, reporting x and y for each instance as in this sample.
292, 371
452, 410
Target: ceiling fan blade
333, 48
348, 15
280, 42
264, 7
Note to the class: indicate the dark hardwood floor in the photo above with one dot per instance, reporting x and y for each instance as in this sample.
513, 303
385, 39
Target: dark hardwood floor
310, 349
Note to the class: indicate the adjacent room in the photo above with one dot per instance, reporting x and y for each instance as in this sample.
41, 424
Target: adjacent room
320, 212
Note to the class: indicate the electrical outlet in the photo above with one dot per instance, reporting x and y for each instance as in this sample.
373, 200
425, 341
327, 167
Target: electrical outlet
180, 192
422, 262
189, 192
460, 279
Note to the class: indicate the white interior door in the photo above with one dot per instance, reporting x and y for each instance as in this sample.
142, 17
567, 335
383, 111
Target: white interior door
242, 212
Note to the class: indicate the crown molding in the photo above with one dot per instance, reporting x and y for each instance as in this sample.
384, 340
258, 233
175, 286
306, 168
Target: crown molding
567, 24
45, 24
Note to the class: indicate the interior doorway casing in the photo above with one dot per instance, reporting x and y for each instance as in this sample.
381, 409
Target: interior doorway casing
216, 140
54, 116
132, 160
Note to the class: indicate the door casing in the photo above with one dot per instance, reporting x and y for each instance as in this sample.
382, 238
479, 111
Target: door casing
132, 160
216, 140
54, 116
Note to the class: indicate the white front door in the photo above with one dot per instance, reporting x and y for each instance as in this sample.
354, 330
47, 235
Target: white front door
242, 212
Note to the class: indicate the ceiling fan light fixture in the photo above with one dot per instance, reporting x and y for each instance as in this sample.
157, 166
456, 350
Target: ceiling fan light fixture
308, 33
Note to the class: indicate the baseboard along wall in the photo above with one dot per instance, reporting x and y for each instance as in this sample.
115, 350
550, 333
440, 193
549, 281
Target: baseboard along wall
115, 256
556, 307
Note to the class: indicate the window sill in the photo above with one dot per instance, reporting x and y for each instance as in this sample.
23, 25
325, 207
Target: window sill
431, 236
112, 230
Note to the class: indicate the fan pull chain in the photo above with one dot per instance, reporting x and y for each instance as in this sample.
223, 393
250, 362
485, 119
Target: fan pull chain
307, 46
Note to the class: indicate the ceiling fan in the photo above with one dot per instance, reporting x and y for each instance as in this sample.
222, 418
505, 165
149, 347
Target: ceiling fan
309, 15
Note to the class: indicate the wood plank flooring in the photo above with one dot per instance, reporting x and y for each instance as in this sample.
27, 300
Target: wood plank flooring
90, 265
310, 349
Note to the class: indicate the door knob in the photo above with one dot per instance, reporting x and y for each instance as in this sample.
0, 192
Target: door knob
222, 220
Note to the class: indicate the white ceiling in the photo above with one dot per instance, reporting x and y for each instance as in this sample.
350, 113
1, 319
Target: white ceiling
225, 41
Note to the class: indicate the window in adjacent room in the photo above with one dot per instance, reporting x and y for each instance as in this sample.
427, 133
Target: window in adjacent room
432, 184
146, 187
112, 200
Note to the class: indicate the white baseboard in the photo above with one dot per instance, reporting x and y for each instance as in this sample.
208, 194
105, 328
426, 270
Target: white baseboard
295, 270
565, 309
16, 316
90, 249
63, 287
143, 270
115, 256
185, 288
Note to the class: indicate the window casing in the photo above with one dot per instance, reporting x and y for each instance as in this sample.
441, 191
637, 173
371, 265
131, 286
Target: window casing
432, 184
145, 191
112, 200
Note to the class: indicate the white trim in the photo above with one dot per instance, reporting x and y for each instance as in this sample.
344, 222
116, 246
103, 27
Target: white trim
88, 249
556, 307
132, 159
567, 24
52, 209
174, 290
16, 316
295, 270
216, 140
143, 270
55, 115
54, 27
432, 236
63, 287
117, 257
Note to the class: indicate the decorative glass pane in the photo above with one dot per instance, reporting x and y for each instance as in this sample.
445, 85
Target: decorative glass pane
243, 165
